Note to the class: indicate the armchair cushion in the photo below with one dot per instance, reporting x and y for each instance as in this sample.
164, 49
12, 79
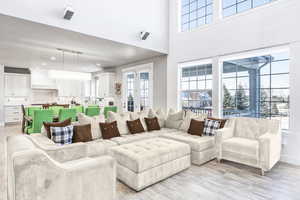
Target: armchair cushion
243, 146
174, 120
62, 135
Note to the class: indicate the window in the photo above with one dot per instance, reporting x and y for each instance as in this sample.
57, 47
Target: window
144, 90
195, 13
196, 88
130, 92
257, 87
231, 7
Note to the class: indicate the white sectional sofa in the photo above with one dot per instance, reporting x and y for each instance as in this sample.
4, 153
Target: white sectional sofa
133, 168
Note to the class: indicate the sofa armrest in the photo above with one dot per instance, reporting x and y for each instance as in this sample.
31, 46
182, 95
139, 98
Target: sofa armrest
220, 136
60, 153
269, 150
37, 176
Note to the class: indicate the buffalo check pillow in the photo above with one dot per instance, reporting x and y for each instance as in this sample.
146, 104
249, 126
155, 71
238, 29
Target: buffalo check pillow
62, 135
211, 125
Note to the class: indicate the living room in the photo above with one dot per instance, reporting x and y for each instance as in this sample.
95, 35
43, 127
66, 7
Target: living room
178, 99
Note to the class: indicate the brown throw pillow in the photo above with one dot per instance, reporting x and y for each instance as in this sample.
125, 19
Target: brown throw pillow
47, 125
196, 127
223, 121
109, 130
82, 133
152, 124
135, 126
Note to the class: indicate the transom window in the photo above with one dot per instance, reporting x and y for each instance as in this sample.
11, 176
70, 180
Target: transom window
257, 87
196, 88
195, 13
231, 7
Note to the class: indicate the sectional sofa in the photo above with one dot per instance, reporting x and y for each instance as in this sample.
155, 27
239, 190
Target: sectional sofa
146, 158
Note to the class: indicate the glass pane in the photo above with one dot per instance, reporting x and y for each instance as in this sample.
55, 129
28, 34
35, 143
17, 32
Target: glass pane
265, 69
265, 81
201, 21
227, 3
229, 70
280, 81
209, 19
243, 6
184, 95
201, 3
280, 56
193, 6
184, 18
260, 2
209, 10
242, 99
229, 11
185, 10
209, 84
265, 94
280, 67
229, 83
193, 24
193, 15
201, 84
243, 82
280, 95
185, 2
194, 96
193, 85
184, 85
185, 27
201, 12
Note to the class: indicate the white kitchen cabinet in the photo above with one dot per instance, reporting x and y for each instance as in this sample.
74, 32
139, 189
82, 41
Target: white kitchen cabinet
40, 80
13, 114
17, 85
69, 88
106, 85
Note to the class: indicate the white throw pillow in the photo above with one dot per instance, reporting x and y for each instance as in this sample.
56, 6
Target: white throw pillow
174, 120
121, 119
161, 117
140, 115
188, 117
94, 121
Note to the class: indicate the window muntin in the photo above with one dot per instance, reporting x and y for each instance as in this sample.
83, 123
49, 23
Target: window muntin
231, 7
195, 13
196, 88
257, 87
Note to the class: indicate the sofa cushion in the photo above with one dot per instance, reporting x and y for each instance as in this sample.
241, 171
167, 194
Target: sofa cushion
94, 121
121, 119
241, 146
161, 116
152, 124
109, 130
246, 128
146, 154
82, 133
210, 126
140, 115
196, 127
135, 126
62, 135
125, 139
222, 121
174, 120
188, 117
48, 125
196, 143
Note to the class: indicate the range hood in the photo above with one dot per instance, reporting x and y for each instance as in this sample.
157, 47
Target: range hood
40, 80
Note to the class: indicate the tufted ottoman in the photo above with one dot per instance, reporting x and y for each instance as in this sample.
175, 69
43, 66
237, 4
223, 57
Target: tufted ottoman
146, 162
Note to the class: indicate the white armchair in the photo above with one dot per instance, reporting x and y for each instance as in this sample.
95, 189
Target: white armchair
33, 174
250, 141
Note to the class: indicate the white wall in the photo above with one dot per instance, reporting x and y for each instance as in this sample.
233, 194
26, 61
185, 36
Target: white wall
1, 95
267, 26
159, 80
116, 20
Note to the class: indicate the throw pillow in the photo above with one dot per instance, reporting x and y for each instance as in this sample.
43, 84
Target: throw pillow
82, 133
94, 122
62, 135
196, 127
161, 117
109, 130
140, 115
152, 124
188, 117
210, 126
48, 125
135, 126
222, 121
121, 119
174, 120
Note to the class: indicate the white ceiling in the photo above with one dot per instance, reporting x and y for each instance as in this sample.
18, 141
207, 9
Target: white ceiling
31, 45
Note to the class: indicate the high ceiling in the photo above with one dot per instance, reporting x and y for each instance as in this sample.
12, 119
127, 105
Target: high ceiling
31, 45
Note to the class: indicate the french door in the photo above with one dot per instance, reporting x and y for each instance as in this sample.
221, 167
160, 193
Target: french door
137, 95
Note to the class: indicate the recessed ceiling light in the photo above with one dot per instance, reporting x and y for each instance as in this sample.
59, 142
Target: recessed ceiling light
98, 64
44, 64
53, 58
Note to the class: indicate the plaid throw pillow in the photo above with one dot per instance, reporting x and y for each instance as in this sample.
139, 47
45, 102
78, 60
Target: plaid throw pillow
62, 135
210, 126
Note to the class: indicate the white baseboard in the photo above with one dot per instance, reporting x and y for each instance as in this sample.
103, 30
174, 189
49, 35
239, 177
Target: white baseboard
295, 160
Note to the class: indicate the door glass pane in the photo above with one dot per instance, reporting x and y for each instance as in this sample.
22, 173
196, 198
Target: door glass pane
130, 92
144, 90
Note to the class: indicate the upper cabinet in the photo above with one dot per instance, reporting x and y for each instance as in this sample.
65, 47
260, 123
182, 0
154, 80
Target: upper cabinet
40, 80
17, 85
105, 84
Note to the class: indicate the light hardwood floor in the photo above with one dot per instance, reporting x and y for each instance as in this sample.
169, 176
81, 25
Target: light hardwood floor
212, 181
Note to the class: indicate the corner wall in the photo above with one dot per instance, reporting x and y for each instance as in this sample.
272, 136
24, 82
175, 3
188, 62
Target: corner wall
1, 95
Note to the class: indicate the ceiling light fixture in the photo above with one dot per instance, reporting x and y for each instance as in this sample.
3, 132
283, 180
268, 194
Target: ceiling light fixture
44, 64
52, 58
98, 64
